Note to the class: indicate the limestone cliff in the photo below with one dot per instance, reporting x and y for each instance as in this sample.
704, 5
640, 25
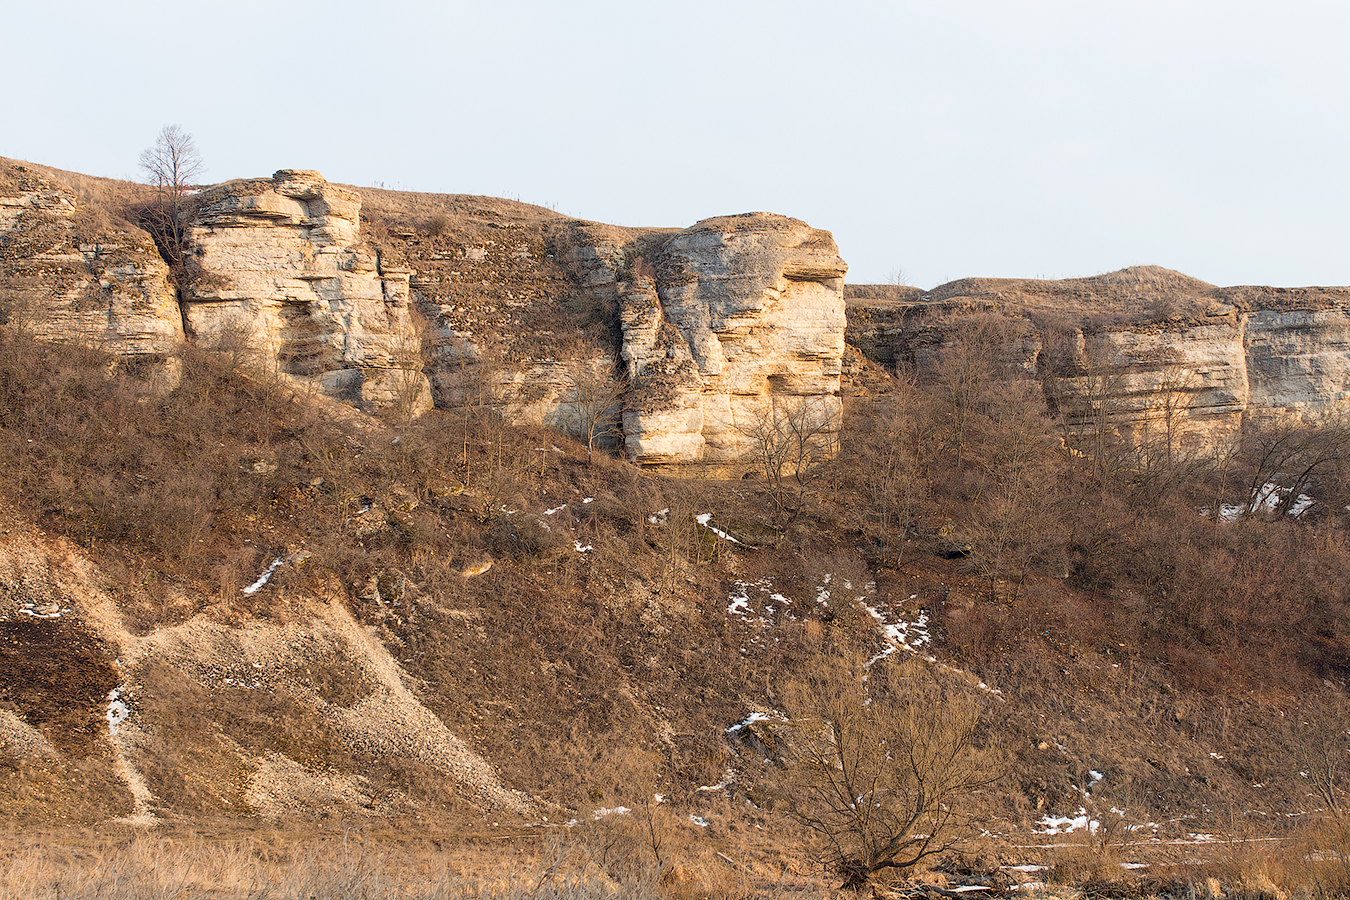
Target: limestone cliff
740, 319
72, 272
680, 344
687, 339
692, 340
286, 278
1145, 350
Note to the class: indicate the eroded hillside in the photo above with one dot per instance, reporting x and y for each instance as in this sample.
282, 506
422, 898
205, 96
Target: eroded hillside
227, 597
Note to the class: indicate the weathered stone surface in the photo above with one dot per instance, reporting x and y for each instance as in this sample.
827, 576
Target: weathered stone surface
723, 323
1145, 351
68, 275
1189, 379
1298, 361
286, 278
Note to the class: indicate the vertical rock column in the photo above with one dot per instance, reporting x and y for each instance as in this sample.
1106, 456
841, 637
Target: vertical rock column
742, 324
285, 279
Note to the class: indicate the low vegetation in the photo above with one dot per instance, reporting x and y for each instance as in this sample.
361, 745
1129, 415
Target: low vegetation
1126, 611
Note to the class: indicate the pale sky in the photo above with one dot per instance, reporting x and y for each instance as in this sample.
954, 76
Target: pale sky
1017, 138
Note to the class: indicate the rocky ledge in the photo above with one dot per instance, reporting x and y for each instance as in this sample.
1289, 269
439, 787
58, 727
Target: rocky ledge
284, 277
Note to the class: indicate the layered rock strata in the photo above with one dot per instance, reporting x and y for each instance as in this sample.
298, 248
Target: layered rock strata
1149, 353
284, 277
68, 272
731, 328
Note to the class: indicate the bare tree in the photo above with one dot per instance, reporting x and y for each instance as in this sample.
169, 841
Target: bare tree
172, 166
1014, 490
884, 780
786, 438
20, 296
892, 450
592, 405
1321, 745
1287, 460
1176, 390
409, 361
977, 360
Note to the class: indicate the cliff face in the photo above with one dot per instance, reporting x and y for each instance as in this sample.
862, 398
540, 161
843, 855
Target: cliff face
1298, 361
1206, 382
69, 273
287, 279
680, 344
728, 326
683, 345
1146, 351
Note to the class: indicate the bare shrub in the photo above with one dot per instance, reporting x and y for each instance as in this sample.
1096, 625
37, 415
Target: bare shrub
979, 357
786, 438
882, 770
592, 405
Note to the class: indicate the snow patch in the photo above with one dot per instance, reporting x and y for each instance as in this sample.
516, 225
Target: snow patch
913, 637
749, 601
117, 710
750, 720
35, 610
728, 776
1066, 824
705, 519
265, 577
1264, 499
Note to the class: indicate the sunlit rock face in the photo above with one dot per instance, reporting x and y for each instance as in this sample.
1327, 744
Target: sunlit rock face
285, 278
71, 273
1147, 353
1298, 362
1187, 384
1204, 383
728, 325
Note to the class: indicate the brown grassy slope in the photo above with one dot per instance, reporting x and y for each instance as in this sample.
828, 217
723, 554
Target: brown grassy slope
491, 271
107, 204
588, 677
1173, 657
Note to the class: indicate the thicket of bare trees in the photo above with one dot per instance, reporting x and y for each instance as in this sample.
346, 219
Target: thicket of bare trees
786, 439
1227, 562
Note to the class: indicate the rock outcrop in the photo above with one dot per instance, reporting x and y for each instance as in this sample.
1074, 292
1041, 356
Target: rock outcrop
684, 345
69, 272
1144, 351
284, 276
1190, 379
730, 328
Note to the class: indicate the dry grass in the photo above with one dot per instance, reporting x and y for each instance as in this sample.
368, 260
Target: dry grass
1114, 619
106, 204
584, 863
